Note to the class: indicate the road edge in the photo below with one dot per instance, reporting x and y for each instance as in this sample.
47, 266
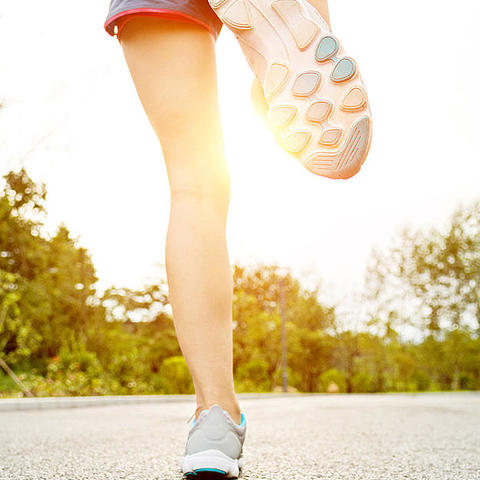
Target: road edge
47, 403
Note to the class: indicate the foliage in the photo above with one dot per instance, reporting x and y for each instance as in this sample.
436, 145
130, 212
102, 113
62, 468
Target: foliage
429, 279
332, 376
62, 337
175, 376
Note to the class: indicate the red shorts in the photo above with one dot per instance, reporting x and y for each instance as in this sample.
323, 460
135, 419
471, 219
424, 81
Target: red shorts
191, 11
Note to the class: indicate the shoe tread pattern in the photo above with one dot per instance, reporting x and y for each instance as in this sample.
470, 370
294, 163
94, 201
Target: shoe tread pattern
319, 112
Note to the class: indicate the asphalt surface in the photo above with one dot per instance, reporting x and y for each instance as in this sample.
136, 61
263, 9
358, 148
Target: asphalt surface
425, 436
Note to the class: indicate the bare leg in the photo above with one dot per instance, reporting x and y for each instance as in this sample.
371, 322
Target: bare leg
173, 67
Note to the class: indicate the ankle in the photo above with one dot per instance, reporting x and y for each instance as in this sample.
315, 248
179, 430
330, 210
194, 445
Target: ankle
232, 407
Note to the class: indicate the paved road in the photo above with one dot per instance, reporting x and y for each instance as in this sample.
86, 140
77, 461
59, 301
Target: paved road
431, 436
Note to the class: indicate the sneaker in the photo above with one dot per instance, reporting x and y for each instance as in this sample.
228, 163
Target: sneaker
318, 105
214, 444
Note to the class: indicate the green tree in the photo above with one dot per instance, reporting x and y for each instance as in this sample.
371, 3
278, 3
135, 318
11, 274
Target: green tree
256, 315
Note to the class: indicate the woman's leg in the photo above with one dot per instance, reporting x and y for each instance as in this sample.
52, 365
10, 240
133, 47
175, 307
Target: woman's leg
173, 67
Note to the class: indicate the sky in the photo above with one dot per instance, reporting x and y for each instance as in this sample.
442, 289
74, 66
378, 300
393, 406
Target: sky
72, 117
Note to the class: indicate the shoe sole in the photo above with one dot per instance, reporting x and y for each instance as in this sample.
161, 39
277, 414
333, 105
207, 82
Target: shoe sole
211, 461
318, 105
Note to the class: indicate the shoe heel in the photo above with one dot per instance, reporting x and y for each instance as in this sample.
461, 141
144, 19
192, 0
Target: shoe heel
210, 461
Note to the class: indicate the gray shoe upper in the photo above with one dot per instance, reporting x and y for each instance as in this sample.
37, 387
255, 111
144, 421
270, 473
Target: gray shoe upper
214, 429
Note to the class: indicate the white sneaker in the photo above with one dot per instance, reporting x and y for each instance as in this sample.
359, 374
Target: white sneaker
214, 444
318, 105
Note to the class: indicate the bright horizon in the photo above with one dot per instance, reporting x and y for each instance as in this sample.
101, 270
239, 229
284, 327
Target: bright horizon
105, 175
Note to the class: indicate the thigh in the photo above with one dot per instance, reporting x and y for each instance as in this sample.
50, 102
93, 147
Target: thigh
174, 71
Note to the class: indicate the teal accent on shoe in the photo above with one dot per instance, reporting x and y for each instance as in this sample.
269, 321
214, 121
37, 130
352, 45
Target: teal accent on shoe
209, 470
344, 70
242, 420
326, 49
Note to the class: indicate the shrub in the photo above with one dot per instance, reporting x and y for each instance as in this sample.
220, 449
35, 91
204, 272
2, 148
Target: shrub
363, 382
253, 376
174, 376
332, 376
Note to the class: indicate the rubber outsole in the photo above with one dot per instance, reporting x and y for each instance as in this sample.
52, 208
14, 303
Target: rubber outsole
213, 461
204, 475
318, 105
